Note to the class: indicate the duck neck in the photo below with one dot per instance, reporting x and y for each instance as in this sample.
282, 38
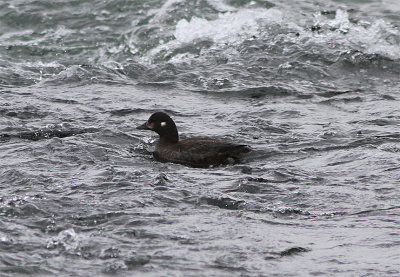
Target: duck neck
171, 137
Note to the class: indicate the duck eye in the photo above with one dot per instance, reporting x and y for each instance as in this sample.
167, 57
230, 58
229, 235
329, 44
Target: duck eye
163, 124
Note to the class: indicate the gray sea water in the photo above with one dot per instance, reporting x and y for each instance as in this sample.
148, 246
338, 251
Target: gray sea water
312, 86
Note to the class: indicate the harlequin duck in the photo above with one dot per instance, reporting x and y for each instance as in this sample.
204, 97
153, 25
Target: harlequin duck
195, 152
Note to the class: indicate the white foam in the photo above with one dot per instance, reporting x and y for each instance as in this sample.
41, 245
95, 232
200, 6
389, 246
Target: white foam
228, 30
230, 27
377, 37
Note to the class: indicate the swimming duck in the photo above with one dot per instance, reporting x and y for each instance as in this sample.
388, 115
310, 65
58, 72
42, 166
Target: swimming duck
195, 152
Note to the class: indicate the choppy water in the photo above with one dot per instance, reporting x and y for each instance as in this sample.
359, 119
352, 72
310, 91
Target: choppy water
312, 86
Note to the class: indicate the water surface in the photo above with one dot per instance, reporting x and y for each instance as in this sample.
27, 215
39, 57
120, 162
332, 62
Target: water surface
311, 86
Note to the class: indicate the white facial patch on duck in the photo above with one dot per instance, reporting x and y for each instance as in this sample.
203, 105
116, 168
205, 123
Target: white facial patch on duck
163, 124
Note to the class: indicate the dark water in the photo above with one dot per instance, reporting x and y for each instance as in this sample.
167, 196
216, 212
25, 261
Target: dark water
312, 86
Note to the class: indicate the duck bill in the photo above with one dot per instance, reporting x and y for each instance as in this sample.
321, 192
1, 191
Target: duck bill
143, 127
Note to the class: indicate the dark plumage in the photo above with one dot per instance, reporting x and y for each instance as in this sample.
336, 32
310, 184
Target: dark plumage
196, 152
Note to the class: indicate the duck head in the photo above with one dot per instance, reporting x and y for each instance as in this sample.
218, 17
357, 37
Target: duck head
163, 125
